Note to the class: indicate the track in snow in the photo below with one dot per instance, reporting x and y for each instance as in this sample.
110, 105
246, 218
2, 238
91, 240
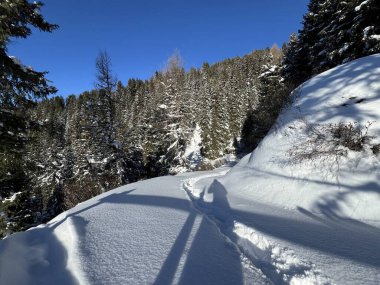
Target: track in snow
280, 265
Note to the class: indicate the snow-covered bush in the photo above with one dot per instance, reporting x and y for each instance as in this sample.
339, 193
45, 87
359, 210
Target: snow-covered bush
332, 140
351, 135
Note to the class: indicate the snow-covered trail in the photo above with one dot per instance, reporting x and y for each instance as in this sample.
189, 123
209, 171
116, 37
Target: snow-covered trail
151, 233
143, 233
290, 247
160, 239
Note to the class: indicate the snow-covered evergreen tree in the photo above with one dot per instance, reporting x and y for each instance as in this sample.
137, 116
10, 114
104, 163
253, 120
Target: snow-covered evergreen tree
334, 32
19, 86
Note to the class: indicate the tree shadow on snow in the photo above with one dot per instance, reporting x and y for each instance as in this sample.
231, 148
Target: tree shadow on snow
204, 262
35, 255
364, 72
328, 231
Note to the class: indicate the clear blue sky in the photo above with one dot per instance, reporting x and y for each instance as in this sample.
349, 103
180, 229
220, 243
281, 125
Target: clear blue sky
139, 35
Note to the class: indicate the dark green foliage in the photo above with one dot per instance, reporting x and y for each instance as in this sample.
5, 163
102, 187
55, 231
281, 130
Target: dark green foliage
19, 85
249, 131
45, 153
17, 82
334, 32
13, 177
23, 212
271, 98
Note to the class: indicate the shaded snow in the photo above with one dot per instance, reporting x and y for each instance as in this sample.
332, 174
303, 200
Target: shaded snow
325, 209
345, 188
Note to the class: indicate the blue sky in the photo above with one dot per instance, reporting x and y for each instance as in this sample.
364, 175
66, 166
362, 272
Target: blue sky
140, 35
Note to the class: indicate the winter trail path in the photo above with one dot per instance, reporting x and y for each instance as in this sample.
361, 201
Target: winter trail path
289, 246
189, 229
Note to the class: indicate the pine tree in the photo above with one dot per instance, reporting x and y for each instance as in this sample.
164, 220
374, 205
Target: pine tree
333, 32
105, 79
19, 85
272, 95
99, 140
18, 82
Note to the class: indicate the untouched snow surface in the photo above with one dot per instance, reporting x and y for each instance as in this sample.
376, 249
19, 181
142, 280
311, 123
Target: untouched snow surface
277, 217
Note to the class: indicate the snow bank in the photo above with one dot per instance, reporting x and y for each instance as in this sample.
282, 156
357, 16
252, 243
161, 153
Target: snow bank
329, 184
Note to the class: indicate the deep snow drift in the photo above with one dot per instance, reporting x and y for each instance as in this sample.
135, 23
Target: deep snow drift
301, 209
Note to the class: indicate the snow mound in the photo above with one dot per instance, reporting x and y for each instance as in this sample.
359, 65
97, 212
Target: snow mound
304, 164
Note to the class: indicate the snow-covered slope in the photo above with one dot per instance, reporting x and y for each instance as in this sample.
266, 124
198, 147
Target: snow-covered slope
301, 209
342, 186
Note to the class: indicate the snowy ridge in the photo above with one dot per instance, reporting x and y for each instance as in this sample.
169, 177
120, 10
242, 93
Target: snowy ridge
280, 265
66, 234
305, 189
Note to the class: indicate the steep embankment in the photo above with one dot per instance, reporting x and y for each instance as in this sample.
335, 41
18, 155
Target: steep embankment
306, 160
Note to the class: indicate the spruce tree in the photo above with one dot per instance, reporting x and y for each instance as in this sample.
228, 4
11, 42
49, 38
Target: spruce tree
333, 32
18, 82
19, 85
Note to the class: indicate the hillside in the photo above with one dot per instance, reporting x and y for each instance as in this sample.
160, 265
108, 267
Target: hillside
303, 208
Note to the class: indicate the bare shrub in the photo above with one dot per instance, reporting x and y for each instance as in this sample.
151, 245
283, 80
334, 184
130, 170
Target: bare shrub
204, 166
332, 140
351, 135
75, 193
376, 149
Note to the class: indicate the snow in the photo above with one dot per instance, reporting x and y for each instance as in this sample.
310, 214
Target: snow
193, 149
274, 218
348, 93
366, 32
13, 197
143, 233
325, 209
375, 37
359, 7
344, 48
